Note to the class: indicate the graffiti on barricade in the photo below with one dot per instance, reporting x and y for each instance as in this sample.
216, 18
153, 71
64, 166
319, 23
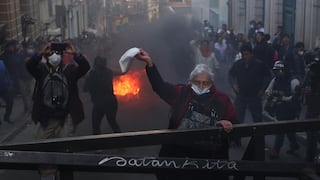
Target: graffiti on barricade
177, 164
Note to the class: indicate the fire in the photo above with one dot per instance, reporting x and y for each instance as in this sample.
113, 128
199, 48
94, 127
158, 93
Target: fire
128, 84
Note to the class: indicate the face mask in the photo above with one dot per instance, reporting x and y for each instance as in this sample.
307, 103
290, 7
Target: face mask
198, 91
54, 59
30, 51
301, 53
251, 26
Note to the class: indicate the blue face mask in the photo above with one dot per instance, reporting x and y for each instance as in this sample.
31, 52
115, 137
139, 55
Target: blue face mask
198, 91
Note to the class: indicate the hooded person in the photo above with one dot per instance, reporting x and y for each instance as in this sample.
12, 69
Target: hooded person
197, 104
56, 102
99, 84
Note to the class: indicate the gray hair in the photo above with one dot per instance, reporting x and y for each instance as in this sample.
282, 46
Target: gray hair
201, 69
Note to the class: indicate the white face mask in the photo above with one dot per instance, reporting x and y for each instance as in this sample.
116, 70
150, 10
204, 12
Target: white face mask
198, 91
54, 59
301, 53
30, 51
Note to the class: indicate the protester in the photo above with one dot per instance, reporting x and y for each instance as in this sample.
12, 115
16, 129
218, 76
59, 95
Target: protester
24, 78
259, 27
198, 104
281, 99
296, 62
249, 78
220, 49
6, 86
57, 106
11, 60
204, 55
263, 51
207, 30
311, 89
285, 49
278, 37
252, 29
99, 85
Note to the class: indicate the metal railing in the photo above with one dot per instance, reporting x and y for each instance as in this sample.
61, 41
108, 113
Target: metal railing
65, 153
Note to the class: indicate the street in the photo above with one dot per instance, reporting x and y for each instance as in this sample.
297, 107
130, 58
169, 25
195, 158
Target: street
136, 113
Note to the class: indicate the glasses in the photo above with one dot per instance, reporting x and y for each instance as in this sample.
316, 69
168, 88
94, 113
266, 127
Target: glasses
202, 83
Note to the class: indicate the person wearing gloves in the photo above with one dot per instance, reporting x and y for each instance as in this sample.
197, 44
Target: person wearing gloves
198, 104
56, 102
282, 103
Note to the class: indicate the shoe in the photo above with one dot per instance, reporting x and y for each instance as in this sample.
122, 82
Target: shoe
293, 148
274, 154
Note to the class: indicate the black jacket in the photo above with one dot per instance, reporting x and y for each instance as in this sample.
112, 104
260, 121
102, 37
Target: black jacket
99, 85
251, 77
73, 73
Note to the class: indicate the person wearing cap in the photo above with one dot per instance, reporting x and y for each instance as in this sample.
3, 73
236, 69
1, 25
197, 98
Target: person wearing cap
282, 103
198, 104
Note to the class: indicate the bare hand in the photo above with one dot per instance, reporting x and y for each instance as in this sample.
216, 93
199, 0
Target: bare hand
45, 50
145, 57
70, 49
236, 88
227, 125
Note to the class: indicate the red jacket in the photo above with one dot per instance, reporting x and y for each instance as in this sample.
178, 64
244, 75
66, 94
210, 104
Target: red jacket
179, 96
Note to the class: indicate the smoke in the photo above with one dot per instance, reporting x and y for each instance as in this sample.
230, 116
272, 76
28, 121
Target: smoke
166, 40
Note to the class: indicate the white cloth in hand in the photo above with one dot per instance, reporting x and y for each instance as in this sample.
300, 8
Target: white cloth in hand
127, 57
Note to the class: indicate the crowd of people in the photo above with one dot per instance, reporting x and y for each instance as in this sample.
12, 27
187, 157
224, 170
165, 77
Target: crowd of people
273, 76
276, 76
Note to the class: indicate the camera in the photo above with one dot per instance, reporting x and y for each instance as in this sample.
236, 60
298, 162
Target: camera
57, 100
58, 46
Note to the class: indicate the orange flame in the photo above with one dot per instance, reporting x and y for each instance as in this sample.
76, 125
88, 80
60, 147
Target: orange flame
128, 84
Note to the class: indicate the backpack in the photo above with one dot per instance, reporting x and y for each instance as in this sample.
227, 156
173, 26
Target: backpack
55, 90
5, 79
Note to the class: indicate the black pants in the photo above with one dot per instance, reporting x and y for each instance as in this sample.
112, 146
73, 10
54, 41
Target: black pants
7, 96
313, 111
108, 109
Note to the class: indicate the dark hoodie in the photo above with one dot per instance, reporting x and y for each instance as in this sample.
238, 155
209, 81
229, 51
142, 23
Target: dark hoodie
99, 83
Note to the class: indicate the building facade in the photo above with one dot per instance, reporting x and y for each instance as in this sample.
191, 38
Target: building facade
10, 17
215, 11
63, 18
23, 20
299, 18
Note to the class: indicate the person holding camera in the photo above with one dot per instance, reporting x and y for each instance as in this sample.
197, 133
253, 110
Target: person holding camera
282, 98
56, 102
